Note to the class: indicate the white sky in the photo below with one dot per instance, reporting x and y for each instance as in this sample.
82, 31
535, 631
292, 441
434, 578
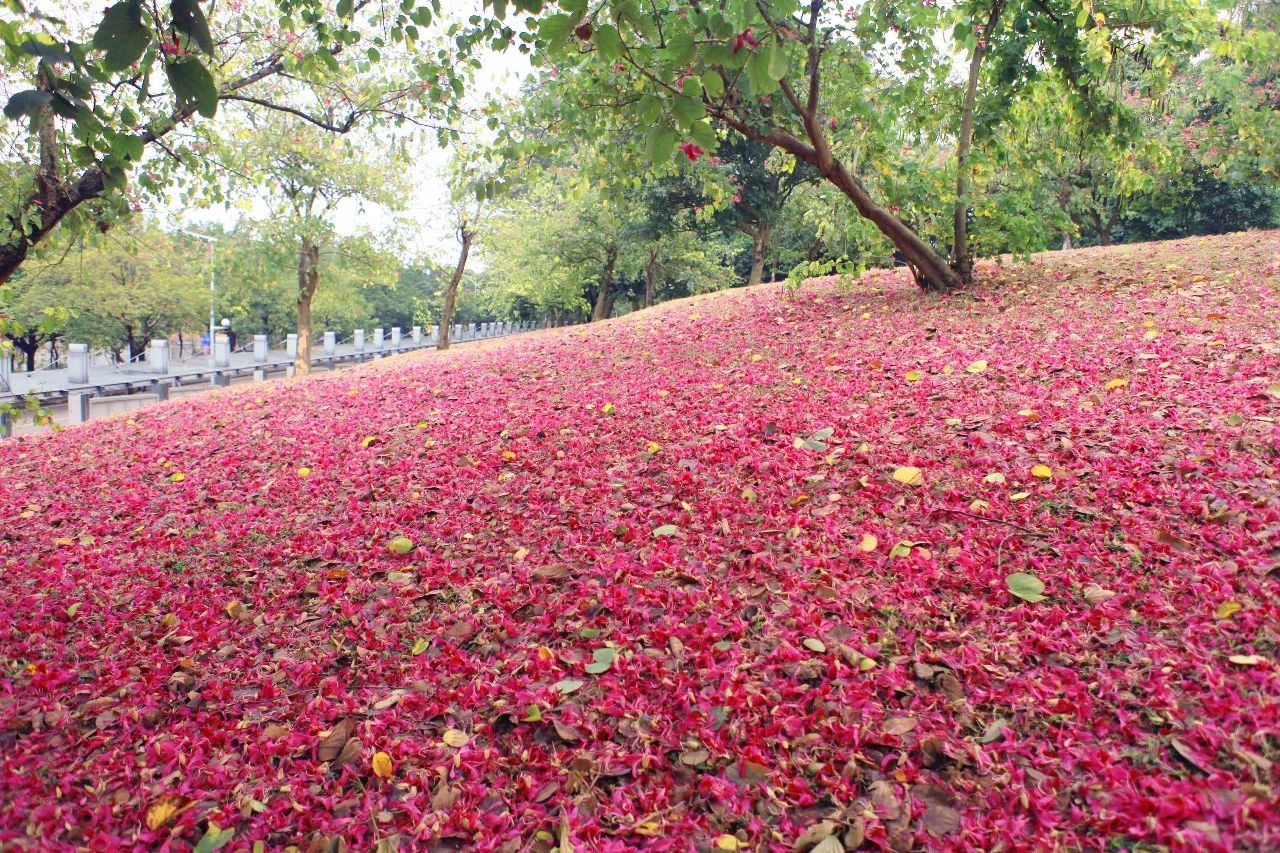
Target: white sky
424, 224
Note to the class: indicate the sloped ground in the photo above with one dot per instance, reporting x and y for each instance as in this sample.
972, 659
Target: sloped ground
672, 583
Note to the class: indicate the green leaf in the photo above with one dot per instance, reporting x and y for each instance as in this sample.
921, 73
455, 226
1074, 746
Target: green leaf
555, 29
27, 103
687, 110
345, 8
568, 685
533, 715
649, 109
758, 75
214, 839
1082, 17
193, 84
190, 21
607, 42
602, 660
713, 84
777, 58
658, 144
681, 48
666, 530
704, 135
1025, 586
122, 35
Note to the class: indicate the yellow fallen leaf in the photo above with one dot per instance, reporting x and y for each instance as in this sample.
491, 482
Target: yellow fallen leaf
163, 810
382, 766
508, 455
233, 607
755, 356
1042, 472
1247, 660
977, 367
994, 477
1027, 413
913, 376
368, 440
304, 471
948, 370
1115, 384
1148, 324
728, 842
455, 738
1019, 496
419, 646
868, 544
608, 408
177, 477
649, 828
545, 653
864, 448
1151, 335
653, 447
1227, 609
520, 554
909, 475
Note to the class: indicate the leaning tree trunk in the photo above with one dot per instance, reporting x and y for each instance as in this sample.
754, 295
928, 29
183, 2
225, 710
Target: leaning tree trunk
650, 277
451, 292
308, 279
930, 270
759, 249
601, 310
961, 256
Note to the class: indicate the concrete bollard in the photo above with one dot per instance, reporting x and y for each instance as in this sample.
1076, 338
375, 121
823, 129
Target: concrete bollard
473, 332
220, 380
379, 338
161, 390
291, 371
395, 337
221, 351
291, 345
357, 340
78, 364
435, 333
158, 357
259, 349
416, 335
456, 334
78, 407
259, 374
330, 343
6, 425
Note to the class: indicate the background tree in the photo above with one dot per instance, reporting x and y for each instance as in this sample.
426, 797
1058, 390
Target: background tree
87, 103
304, 177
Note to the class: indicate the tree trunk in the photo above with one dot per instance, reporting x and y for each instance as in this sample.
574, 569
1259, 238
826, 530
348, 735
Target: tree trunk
961, 256
601, 310
465, 236
308, 279
930, 270
28, 345
650, 273
759, 249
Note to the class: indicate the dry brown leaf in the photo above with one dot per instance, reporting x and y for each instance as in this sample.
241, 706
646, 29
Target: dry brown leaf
331, 744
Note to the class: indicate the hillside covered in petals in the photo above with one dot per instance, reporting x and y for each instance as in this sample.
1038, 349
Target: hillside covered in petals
843, 567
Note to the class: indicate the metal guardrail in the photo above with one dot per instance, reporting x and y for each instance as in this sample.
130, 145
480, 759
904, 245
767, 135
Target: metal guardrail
77, 395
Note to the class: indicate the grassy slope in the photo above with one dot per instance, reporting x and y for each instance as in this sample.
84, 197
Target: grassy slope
184, 615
